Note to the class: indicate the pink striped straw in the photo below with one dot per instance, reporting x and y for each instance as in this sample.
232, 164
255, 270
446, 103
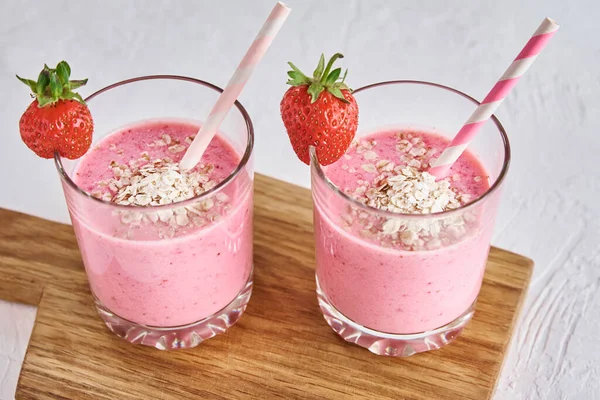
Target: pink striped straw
492, 101
235, 85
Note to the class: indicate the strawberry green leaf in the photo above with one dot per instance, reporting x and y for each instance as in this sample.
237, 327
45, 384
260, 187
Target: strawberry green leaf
330, 64
44, 101
297, 77
63, 71
333, 77
74, 96
63, 65
55, 86
338, 94
322, 79
43, 81
28, 82
320, 68
294, 68
315, 90
77, 84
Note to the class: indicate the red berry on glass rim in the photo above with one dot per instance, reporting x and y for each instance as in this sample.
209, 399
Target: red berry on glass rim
58, 120
319, 111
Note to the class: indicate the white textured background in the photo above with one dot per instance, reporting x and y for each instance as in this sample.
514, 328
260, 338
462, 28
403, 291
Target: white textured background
551, 211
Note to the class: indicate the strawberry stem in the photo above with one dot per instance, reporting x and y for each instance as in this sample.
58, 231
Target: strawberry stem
54, 85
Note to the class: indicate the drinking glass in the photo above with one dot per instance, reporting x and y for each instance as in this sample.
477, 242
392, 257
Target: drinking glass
390, 300
155, 284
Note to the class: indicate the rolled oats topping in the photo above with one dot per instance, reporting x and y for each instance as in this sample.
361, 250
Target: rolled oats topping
410, 191
401, 184
156, 183
144, 182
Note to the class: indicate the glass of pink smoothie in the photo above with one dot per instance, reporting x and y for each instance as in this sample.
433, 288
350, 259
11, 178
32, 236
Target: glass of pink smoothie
168, 253
400, 257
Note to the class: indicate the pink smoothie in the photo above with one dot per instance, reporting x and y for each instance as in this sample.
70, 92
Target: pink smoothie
382, 283
152, 268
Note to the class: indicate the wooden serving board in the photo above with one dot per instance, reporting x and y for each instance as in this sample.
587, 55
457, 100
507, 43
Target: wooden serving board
281, 348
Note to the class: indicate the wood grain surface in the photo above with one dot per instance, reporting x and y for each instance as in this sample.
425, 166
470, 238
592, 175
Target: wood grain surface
281, 348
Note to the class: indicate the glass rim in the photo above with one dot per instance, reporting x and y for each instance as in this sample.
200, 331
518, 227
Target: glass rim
242, 163
316, 166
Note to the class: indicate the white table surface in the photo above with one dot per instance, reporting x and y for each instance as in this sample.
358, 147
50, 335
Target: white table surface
551, 210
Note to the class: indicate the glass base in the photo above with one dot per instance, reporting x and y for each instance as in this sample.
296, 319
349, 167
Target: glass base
178, 337
389, 344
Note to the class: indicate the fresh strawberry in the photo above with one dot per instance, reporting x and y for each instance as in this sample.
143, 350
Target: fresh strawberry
58, 120
319, 111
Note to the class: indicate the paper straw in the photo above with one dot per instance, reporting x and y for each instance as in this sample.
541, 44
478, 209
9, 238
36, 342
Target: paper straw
492, 101
235, 85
